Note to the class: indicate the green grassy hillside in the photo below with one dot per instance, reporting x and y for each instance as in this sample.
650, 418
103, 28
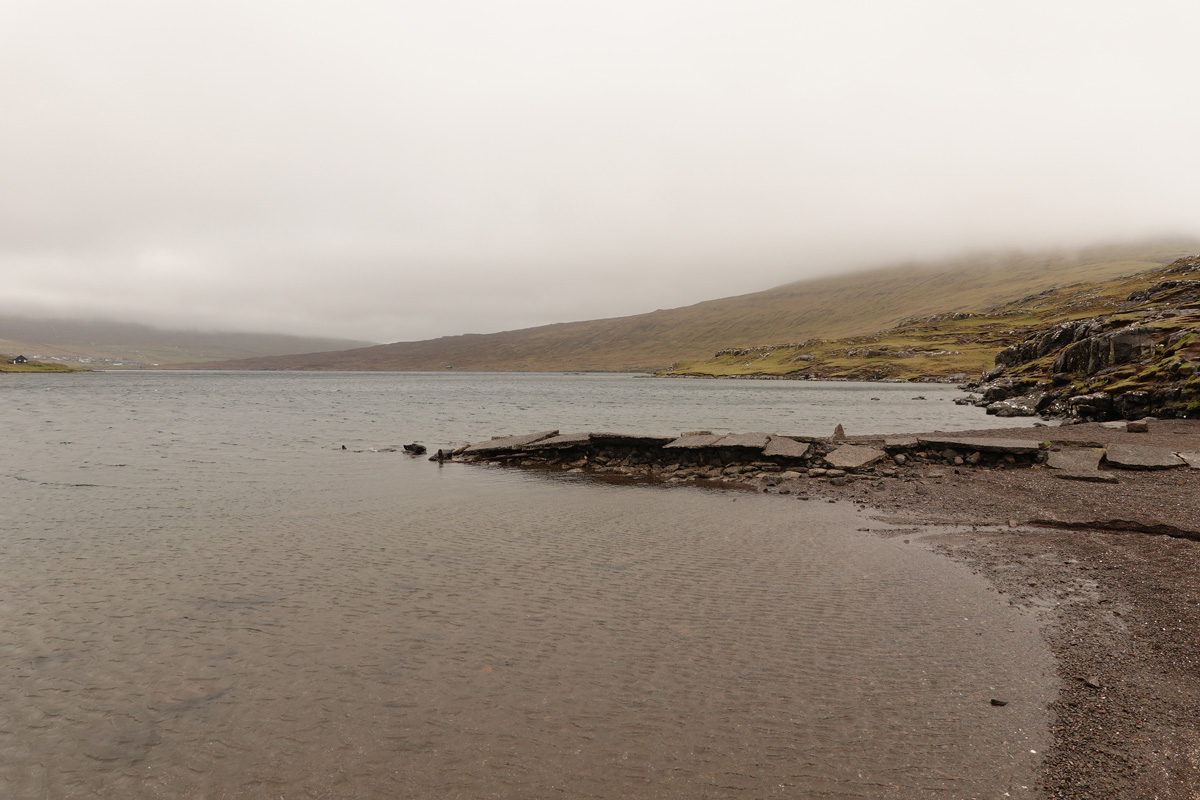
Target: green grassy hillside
7, 365
950, 345
856, 304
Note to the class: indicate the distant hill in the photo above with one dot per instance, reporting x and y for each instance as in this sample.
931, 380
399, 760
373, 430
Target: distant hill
104, 344
834, 307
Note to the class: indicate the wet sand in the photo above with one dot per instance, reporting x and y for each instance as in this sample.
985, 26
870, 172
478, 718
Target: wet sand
1120, 599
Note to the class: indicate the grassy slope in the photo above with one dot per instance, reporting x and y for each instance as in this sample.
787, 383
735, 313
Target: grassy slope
848, 305
944, 345
6, 365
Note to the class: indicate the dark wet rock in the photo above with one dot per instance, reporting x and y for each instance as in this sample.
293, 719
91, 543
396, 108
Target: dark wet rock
1133, 456
1095, 353
415, 449
852, 456
994, 372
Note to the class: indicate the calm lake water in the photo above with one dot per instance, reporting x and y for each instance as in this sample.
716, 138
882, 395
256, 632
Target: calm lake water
205, 597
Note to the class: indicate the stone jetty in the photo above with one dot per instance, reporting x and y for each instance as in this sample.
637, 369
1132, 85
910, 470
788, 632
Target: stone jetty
776, 462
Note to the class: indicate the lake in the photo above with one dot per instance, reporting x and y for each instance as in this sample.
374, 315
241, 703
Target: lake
205, 596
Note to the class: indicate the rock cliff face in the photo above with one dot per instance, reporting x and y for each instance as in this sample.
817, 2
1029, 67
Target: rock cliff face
1141, 360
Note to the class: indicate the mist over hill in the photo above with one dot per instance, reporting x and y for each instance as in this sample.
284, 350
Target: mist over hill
106, 343
854, 304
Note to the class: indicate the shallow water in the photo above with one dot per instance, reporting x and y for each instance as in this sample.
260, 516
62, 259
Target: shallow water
204, 596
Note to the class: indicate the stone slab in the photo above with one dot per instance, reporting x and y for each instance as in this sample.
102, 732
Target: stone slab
693, 441
638, 439
1192, 459
900, 443
784, 447
852, 456
506, 444
1075, 459
970, 443
1115, 425
1136, 456
754, 441
1079, 464
562, 441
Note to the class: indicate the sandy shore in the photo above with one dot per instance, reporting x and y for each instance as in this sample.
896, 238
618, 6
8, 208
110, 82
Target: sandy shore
1120, 598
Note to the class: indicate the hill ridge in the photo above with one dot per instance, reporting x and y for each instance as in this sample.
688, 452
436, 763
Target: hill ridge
831, 307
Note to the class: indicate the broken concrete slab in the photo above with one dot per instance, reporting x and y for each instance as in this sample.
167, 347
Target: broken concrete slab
784, 447
504, 444
562, 441
631, 439
1075, 459
971, 443
754, 441
1136, 456
1079, 464
852, 456
693, 441
1192, 459
900, 443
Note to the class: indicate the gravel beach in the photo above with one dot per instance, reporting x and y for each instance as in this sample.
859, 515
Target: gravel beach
1114, 571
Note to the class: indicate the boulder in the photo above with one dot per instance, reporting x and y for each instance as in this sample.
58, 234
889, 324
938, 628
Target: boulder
1026, 406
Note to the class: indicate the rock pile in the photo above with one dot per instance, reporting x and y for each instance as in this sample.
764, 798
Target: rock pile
777, 463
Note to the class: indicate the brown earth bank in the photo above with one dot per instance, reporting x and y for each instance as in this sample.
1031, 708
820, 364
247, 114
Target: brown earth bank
1109, 559
1121, 607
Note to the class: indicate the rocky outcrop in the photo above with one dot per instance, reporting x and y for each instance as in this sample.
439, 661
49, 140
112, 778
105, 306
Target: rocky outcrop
1104, 350
1142, 360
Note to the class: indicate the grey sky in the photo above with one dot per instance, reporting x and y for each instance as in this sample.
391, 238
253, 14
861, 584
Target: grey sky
402, 170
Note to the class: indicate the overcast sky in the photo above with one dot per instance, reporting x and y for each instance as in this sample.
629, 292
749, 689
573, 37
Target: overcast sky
402, 170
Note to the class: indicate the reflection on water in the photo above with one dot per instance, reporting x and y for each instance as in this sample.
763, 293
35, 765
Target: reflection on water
203, 597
